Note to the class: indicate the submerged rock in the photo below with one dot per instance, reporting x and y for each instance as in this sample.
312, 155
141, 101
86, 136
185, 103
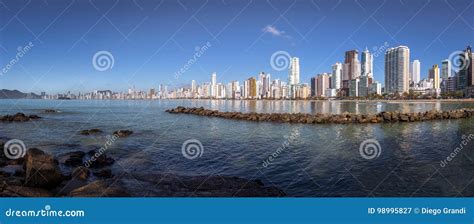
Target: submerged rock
123, 133
19, 117
100, 188
91, 131
51, 111
72, 158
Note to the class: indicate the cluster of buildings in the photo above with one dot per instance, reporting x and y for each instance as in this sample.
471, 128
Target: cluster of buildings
445, 79
353, 78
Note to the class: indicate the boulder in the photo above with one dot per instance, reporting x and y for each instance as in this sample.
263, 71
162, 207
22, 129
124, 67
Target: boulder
41, 170
99, 160
103, 173
81, 173
73, 159
21, 191
100, 188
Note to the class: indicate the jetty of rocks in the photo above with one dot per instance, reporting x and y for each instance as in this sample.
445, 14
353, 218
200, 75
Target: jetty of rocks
344, 118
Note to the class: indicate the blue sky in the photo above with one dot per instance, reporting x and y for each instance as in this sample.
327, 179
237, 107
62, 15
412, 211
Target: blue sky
151, 40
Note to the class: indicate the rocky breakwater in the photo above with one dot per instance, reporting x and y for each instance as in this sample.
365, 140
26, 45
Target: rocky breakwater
344, 118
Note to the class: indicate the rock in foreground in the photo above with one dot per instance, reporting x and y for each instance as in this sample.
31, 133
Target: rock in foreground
41, 170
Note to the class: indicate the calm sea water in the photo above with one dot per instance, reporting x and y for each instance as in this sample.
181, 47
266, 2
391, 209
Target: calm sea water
309, 160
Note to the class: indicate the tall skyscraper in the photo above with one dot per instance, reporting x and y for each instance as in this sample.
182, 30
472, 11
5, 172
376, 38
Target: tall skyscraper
214, 85
397, 69
445, 69
434, 71
322, 83
313, 86
294, 76
336, 75
353, 65
466, 71
415, 71
193, 86
252, 88
367, 63
294, 73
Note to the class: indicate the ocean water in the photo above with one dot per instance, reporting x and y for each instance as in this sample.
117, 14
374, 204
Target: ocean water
307, 160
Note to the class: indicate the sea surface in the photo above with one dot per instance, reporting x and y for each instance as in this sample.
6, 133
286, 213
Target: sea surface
306, 160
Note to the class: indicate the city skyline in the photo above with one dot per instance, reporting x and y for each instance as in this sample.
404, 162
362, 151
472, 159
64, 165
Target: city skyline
238, 45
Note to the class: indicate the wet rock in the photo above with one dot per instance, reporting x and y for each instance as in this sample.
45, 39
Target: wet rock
123, 133
100, 188
344, 118
98, 159
72, 158
18, 117
41, 170
51, 111
22, 191
81, 173
91, 131
170, 185
103, 173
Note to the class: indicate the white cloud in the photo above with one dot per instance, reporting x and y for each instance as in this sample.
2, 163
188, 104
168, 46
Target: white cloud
274, 31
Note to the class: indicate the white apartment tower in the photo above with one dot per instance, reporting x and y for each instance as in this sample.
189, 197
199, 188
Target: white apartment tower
397, 69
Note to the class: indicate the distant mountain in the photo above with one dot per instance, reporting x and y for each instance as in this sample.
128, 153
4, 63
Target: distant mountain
15, 94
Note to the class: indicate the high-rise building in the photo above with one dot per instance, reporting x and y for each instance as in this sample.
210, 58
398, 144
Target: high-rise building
313, 86
252, 88
354, 87
193, 86
415, 72
445, 69
466, 71
294, 76
336, 76
351, 69
434, 73
397, 68
367, 65
213, 85
264, 85
322, 83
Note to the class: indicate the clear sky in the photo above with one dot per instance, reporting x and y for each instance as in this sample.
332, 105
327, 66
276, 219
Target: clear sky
151, 40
